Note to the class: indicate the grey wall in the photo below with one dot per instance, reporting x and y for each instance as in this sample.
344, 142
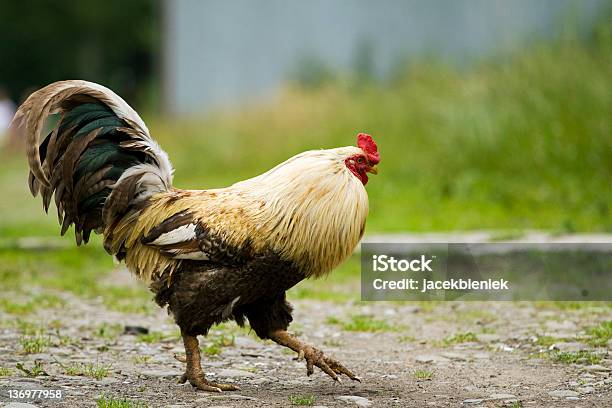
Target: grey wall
219, 53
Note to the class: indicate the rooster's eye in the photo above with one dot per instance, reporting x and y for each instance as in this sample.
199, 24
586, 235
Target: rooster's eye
360, 160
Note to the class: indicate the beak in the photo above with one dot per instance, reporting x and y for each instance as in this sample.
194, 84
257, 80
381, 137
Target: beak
373, 170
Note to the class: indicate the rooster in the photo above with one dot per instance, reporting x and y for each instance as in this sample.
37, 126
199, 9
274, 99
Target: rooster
208, 255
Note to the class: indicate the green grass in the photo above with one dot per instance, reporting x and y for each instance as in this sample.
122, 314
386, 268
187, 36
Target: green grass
423, 375
545, 341
36, 370
42, 301
141, 359
34, 344
108, 331
96, 371
601, 334
510, 144
156, 337
580, 357
111, 402
214, 345
5, 372
457, 338
361, 323
304, 400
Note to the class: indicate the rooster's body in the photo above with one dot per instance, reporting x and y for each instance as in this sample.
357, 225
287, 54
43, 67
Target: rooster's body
210, 255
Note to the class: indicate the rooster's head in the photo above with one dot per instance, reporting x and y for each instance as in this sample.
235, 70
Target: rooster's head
365, 161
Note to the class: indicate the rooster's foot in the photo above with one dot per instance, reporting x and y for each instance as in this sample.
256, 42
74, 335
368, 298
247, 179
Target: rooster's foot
328, 365
201, 383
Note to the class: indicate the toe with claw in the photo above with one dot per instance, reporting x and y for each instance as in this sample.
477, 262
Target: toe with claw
328, 365
200, 382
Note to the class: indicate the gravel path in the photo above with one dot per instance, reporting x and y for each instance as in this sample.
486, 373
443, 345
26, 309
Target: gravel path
419, 354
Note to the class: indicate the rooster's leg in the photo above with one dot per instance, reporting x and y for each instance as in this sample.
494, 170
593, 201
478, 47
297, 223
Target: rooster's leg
194, 373
313, 356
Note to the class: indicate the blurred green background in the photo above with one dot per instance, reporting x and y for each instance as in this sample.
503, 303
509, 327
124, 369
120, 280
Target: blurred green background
512, 141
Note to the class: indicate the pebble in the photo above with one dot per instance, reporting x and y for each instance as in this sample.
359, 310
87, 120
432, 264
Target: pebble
232, 373
586, 390
233, 397
596, 367
489, 337
473, 401
565, 325
563, 393
430, 358
19, 405
260, 381
161, 373
359, 401
495, 397
570, 346
454, 356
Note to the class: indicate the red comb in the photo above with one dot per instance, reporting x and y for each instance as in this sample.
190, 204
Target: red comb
367, 144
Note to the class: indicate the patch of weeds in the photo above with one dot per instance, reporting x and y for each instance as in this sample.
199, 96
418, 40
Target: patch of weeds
406, 339
5, 372
17, 308
34, 344
457, 338
487, 330
423, 375
43, 301
141, 359
28, 328
96, 371
580, 357
332, 320
364, 323
36, 370
516, 404
217, 343
64, 340
333, 343
108, 332
600, 334
152, 337
110, 402
304, 400
545, 341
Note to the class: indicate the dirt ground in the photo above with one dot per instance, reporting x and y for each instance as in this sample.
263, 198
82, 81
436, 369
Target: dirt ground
408, 355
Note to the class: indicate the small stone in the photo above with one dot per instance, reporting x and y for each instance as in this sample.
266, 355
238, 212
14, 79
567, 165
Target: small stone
565, 325
489, 337
232, 373
495, 397
233, 397
570, 346
161, 373
596, 367
586, 390
454, 356
390, 376
563, 393
260, 381
19, 405
473, 401
359, 401
430, 358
